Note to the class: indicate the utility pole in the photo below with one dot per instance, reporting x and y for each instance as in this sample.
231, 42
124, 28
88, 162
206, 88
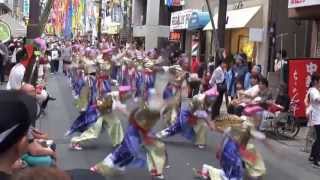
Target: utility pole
222, 21
218, 37
99, 20
33, 30
214, 39
130, 20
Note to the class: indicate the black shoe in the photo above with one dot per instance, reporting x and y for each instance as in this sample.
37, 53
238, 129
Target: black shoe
311, 159
316, 165
52, 98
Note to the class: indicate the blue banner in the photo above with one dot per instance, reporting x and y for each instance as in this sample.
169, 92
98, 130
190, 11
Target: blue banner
68, 25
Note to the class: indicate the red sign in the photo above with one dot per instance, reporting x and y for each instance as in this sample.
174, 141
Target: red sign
300, 71
175, 36
302, 3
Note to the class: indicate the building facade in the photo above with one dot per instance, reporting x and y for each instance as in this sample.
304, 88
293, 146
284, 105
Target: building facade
308, 10
4, 7
258, 28
150, 21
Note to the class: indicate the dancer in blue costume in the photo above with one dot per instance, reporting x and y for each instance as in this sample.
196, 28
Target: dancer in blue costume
139, 148
172, 91
239, 159
191, 123
139, 82
89, 116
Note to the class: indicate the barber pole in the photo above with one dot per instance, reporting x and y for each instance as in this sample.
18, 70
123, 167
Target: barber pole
195, 48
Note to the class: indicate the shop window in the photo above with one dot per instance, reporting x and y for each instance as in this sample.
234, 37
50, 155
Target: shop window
246, 46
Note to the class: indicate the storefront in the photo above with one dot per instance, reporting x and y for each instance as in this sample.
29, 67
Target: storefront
186, 29
308, 10
244, 31
178, 26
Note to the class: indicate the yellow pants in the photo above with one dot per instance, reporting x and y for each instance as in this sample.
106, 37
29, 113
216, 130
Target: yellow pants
201, 130
113, 125
156, 160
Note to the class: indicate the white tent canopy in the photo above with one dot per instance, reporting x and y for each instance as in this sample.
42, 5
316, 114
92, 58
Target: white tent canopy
16, 27
240, 18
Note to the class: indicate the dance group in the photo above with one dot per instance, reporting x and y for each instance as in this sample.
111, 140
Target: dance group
104, 80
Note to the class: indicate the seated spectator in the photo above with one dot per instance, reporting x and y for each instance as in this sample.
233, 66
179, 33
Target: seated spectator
256, 70
41, 173
244, 97
17, 112
39, 145
45, 173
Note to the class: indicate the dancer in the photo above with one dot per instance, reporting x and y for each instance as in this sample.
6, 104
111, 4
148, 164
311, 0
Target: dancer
139, 148
172, 91
108, 106
239, 159
191, 123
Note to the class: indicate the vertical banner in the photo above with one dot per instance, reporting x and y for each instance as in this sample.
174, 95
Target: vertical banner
26, 6
300, 71
68, 21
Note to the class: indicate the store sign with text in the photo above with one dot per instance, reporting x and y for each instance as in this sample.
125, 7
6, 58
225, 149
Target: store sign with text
175, 36
302, 3
180, 19
300, 72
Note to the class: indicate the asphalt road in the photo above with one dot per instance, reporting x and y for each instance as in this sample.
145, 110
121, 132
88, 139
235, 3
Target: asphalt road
284, 162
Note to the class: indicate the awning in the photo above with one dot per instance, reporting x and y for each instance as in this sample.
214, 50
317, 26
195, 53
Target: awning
16, 27
247, 17
198, 20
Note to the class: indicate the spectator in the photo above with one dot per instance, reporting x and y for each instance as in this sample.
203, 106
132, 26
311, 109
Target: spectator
17, 112
45, 173
255, 70
55, 55
240, 68
17, 72
66, 55
218, 79
4, 53
41, 173
194, 64
244, 97
211, 65
314, 95
281, 65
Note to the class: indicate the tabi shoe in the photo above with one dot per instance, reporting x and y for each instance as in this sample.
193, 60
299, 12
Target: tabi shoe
156, 175
200, 175
162, 134
201, 146
76, 147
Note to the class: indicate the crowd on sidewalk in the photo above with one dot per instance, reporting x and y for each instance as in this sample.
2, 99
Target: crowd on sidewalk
104, 77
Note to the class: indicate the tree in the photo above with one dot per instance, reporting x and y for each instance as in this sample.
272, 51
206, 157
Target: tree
37, 21
37, 18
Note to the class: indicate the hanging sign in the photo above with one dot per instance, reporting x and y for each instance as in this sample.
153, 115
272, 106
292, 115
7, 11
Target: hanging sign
180, 19
175, 36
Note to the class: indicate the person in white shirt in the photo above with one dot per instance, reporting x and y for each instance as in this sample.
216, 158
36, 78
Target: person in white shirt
16, 77
314, 118
218, 80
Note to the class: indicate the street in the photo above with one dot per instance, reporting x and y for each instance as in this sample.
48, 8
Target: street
283, 162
